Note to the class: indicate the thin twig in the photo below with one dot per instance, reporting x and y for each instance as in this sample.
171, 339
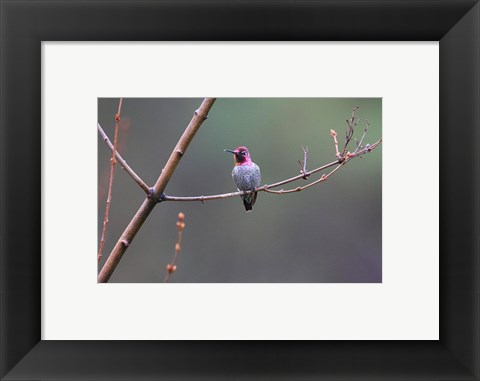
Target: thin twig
172, 267
351, 123
333, 134
149, 203
122, 162
359, 145
324, 177
303, 164
110, 185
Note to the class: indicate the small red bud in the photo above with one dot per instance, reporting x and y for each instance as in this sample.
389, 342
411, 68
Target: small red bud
117, 118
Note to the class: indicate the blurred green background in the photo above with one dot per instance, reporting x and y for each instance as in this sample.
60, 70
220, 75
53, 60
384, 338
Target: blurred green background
331, 232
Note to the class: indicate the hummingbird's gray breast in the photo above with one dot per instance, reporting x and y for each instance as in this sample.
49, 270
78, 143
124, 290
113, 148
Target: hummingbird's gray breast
246, 177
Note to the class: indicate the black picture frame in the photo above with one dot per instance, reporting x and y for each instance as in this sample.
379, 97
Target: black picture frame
454, 23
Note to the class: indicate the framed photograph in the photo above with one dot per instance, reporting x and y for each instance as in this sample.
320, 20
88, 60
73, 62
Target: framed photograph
403, 304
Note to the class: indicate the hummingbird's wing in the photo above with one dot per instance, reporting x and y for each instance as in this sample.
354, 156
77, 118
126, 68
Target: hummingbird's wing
258, 176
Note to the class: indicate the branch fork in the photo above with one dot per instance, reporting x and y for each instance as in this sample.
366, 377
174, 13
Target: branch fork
200, 115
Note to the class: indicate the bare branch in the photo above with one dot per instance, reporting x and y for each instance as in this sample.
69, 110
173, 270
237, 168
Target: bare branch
260, 189
110, 185
333, 134
324, 177
122, 162
268, 187
359, 145
351, 123
149, 203
172, 267
303, 164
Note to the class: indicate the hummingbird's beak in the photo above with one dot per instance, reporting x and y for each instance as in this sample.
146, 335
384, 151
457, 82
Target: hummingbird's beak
229, 150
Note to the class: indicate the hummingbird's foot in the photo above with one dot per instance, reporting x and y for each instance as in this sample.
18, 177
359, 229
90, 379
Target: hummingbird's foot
154, 196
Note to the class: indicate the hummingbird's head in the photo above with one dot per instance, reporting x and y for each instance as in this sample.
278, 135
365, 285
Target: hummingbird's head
241, 155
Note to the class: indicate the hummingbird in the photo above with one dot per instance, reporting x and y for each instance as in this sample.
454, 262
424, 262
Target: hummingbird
246, 175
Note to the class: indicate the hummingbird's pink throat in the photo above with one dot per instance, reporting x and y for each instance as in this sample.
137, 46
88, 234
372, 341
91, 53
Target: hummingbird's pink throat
242, 160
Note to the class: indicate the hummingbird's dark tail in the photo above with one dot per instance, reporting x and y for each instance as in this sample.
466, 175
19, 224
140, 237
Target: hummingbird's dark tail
249, 201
